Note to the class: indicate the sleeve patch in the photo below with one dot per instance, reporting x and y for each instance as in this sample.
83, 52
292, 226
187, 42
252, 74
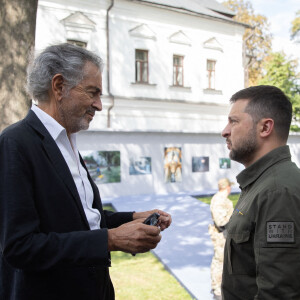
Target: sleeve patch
280, 232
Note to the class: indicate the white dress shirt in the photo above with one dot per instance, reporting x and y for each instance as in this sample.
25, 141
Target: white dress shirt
70, 153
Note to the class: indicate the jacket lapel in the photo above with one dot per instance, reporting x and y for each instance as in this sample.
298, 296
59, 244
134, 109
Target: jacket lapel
56, 159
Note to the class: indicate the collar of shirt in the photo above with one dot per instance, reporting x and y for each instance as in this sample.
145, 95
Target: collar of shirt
70, 153
53, 127
251, 174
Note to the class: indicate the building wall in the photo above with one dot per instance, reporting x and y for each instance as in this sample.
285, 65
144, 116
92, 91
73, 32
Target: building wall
125, 16
152, 144
147, 118
157, 105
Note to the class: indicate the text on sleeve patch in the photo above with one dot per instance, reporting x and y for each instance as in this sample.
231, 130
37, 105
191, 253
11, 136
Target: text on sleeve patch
280, 232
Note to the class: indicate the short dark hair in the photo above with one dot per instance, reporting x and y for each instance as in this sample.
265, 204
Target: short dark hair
266, 101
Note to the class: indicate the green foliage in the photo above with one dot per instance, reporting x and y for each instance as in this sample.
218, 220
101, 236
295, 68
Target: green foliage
112, 158
143, 277
108, 207
90, 158
281, 72
295, 30
111, 174
258, 38
233, 197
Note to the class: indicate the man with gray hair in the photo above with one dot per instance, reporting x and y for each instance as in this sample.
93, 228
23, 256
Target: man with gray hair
55, 237
262, 250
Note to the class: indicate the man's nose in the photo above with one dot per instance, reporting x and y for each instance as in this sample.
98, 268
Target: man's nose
226, 131
97, 104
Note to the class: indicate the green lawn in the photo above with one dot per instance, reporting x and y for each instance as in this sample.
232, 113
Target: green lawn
143, 277
234, 198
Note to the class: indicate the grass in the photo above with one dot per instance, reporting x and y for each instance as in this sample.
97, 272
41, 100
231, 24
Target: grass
143, 277
233, 197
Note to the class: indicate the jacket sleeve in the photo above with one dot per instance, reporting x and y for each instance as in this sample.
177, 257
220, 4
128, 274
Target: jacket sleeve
277, 246
23, 244
115, 219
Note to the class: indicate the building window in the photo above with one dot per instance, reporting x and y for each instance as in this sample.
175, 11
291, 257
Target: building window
141, 66
77, 43
211, 74
177, 70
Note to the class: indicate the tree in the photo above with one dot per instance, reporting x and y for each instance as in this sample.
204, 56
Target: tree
17, 34
281, 72
112, 158
257, 38
295, 30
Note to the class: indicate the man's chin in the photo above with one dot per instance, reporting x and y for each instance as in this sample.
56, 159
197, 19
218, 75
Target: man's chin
84, 125
235, 156
232, 155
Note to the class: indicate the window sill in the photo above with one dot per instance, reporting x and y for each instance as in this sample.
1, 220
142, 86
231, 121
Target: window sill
213, 92
144, 83
181, 87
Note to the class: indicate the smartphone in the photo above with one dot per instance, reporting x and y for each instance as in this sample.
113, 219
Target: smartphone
152, 219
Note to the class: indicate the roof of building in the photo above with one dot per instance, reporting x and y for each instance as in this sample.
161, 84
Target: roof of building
209, 8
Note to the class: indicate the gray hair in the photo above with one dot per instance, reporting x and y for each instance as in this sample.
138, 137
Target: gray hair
65, 59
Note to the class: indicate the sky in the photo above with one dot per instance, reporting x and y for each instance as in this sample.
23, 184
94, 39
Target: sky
280, 14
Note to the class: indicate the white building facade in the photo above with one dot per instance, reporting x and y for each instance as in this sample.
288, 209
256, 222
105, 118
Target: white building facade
170, 69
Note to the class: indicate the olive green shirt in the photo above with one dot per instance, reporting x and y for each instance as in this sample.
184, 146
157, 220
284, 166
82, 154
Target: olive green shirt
262, 251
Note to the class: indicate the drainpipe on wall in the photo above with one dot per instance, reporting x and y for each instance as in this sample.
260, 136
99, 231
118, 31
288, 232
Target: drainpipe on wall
108, 66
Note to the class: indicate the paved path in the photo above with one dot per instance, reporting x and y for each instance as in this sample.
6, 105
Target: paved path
185, 249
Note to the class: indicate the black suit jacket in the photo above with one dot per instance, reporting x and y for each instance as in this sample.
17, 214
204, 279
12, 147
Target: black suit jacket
47, 248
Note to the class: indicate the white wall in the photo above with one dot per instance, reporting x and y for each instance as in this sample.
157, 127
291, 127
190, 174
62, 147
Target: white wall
51, 30
159, 106
152, 144
147, 118
127, 15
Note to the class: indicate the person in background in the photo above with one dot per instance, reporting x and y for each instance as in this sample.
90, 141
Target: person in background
221, 209
262, 250
55, 237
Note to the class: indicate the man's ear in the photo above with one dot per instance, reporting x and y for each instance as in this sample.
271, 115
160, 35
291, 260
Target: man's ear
266, 127
58, 86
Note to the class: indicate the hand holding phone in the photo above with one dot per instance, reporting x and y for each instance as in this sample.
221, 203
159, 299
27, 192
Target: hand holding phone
152, 219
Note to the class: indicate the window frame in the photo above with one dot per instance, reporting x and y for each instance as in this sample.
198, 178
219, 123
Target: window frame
141, 69
175, 70
211, 74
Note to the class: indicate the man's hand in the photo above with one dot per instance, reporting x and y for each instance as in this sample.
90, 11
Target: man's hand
164, 220
133, 237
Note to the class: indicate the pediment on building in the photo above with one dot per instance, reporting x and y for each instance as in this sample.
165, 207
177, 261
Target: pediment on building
180, 38
143, 31
79, 20
213, 43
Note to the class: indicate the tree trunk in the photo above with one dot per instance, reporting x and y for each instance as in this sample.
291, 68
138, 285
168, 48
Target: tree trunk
17, 34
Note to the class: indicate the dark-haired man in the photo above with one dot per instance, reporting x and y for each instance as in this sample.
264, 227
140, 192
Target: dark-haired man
262, 251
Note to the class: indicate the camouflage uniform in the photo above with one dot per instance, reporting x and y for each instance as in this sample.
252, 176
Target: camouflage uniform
221, 209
